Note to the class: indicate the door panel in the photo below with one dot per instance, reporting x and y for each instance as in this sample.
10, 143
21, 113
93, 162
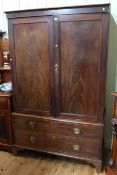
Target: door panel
79, 67
32, 64
79, 58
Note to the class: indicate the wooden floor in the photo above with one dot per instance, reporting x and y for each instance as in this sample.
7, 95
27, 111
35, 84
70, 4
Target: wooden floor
32, 163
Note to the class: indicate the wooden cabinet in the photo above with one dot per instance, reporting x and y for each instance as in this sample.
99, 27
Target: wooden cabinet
59, 69
5, 121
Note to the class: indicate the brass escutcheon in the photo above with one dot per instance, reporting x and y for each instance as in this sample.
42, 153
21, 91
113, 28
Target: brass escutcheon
76, 131
76, 147
32, 140
32, 124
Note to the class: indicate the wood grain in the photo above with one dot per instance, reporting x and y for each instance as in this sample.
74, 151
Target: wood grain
32, 65
58, 136
56, 127
2, 128
30, 163
6, 138
79, 66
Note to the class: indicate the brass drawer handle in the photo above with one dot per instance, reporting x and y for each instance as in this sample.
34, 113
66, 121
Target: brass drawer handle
76, 131
32, 140
32, 124
76, 147
53, 137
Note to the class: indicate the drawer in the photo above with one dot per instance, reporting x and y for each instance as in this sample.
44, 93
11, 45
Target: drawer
29, 139
58, 144
89, 148
57, 127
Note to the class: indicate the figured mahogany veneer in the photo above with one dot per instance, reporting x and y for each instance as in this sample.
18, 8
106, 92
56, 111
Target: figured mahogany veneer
59, 72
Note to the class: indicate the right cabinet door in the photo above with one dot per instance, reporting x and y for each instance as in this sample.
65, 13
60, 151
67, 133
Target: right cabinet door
81, 58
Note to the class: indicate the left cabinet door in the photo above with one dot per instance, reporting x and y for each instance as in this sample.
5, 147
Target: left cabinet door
31, 41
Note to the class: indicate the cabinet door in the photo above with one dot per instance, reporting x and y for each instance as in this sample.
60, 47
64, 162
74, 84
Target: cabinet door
80, 62
31, 41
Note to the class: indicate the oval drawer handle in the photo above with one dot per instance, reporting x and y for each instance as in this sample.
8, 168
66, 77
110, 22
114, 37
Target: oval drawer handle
53, 137
32, 140
76, 147
32, 124
76, 131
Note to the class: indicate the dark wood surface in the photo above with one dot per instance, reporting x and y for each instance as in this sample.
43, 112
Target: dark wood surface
57, 127
57, 135
6, 138
59, 72
78, 71
35, 56
58, 144
2, 128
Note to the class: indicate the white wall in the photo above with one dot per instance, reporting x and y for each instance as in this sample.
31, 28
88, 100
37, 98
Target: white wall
6, 5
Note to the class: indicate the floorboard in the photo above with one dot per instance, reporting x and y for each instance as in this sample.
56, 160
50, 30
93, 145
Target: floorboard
32, 163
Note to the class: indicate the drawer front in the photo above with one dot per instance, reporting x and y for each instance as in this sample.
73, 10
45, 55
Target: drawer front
29, 139
83, 147
87, 148
57, 127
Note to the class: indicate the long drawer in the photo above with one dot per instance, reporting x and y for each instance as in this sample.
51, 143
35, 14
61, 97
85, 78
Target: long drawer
57, 127
58, 144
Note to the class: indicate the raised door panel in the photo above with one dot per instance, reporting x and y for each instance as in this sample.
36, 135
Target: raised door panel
80, 74
32, 41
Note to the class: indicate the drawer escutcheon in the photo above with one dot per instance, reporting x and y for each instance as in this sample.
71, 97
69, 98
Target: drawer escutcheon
76, 131
76, 147
32, 124
32, 140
